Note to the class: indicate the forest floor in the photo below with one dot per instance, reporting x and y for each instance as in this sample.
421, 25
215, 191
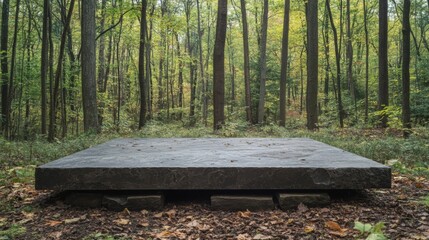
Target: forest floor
403, 210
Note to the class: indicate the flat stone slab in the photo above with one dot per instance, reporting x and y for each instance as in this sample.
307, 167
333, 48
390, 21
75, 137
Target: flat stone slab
236, 203
212, 164
292, 200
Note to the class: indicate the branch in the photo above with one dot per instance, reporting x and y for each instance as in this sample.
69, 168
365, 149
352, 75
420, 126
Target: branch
114, 25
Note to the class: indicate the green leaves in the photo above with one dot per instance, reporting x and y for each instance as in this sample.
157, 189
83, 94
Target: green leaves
375, 231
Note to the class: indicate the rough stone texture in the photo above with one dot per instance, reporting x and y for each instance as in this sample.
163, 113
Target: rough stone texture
292, 200
212, 164
135, 203
82, 199
237, 203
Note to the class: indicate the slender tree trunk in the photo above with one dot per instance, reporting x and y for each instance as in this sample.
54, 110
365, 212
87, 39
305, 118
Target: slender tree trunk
141, 76
5, 114
180, 76
44, 63
89, 84
312, 64
406, 29
101, 49
263, 64
58, 74
349, 53
12, 69
202, 76
248, 98
219, 66
383, 77
365, 21
284, 64
338, 64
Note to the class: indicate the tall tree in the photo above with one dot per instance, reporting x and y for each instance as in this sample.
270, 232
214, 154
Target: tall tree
142, 66
248, 97
263, 64
4, 67
284, 64
58, 73
365, 22
89, 84
202, 76
219, 65
44, 63
338, 64
12, 67
312, 64
406, 32
383, 74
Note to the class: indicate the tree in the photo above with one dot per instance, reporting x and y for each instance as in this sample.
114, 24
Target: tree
383, 75
283, 75
5, 112
338, 64
142, 66
406, 32
263, 64
44, 63
312, 64
219, 65
89, 84
248, 97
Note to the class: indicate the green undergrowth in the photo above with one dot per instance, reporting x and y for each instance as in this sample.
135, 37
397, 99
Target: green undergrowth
19, 158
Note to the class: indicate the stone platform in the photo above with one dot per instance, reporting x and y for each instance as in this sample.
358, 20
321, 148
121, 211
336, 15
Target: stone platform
212, 164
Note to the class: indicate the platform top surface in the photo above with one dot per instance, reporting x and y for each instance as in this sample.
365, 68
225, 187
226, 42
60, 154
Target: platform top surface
213, 153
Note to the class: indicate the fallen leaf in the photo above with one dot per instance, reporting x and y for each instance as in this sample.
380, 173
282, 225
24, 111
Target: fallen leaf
171, 213
338, 234
144, 212
261, 237
245, 214
122, 221
244, 236
72, 220
333, 226
158, 215
144, 224
194, 223
309, 229
53, 223
165, 234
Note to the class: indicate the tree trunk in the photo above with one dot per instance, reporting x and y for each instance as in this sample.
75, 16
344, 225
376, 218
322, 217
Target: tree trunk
284, 64
248, 98
263, 64
5, 113
44, 63
312, 64
349, 53
383, 77
406, 29
58, 74
89, 84
202, 76
365, 21
338, 64
141, 76
219, 66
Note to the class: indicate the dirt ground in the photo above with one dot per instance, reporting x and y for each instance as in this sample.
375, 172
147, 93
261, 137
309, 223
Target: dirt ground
401, 209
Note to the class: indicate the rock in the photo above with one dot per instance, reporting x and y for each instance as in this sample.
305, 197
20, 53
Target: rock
236, 203
134, 203
84, 199
292, 200
115, 203
145, 202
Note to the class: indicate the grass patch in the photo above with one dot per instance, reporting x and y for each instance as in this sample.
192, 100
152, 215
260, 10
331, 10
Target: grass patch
13, 232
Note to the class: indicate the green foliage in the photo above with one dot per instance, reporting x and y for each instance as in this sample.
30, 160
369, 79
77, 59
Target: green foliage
12, 232
425, 201
375, 232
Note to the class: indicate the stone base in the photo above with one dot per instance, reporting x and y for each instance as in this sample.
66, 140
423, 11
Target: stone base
237, 203
292, 200
114, 202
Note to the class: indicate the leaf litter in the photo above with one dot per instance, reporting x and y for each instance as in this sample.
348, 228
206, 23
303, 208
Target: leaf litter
400, 208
